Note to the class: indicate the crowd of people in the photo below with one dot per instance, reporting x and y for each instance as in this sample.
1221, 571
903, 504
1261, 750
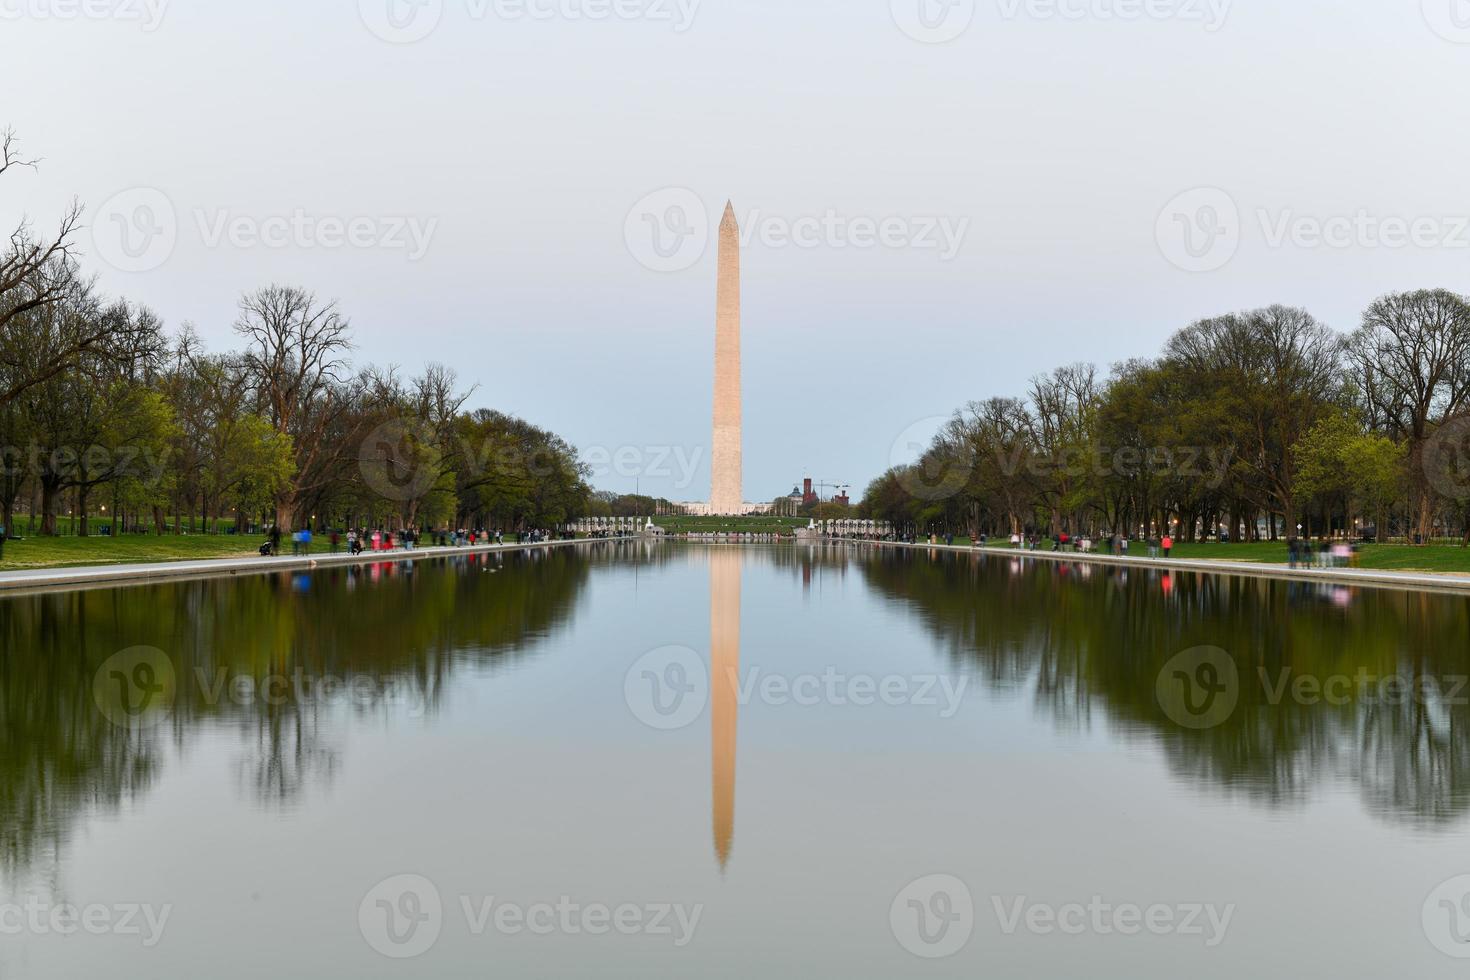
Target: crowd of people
1302, 553
358, 540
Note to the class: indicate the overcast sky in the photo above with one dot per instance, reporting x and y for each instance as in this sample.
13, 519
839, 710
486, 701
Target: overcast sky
941, 201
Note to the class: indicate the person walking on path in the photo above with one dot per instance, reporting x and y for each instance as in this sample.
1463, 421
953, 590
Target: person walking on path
1168, 545
275, 540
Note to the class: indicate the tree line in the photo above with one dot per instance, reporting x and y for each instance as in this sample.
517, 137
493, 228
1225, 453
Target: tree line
1260, 424
105, 412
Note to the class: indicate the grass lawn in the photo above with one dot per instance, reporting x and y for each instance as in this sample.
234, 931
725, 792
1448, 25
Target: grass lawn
718, 525
69, 552
1392, 557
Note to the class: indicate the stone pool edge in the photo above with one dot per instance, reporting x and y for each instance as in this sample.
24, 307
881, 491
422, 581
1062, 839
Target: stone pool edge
1369, 578
100, 576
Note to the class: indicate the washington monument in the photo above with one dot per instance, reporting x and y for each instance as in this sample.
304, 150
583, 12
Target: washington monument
726, 486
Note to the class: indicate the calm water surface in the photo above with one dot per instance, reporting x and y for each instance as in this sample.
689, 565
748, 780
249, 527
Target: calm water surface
675, 760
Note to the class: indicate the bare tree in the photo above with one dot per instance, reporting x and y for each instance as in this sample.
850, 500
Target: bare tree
295, 352
35, 273
1413, 362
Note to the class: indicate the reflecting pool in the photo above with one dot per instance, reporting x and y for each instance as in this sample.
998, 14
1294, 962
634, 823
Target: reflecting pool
636, 759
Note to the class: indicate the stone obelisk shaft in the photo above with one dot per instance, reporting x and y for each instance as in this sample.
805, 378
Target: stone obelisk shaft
726, 491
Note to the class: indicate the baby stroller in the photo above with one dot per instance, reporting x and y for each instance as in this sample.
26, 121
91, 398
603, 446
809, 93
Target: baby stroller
265, 550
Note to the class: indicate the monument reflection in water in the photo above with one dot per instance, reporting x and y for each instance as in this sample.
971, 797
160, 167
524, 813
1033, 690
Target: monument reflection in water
724, 647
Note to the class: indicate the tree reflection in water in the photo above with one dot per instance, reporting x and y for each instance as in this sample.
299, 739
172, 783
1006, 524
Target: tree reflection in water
396, 628
1089, 641
1085, 643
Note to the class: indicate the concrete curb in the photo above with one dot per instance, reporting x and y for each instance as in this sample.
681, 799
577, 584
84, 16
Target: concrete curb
1453, 584
92, 576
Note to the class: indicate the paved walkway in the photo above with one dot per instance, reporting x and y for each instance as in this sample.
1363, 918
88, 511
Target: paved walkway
100, 575
1366, 577
92, 575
